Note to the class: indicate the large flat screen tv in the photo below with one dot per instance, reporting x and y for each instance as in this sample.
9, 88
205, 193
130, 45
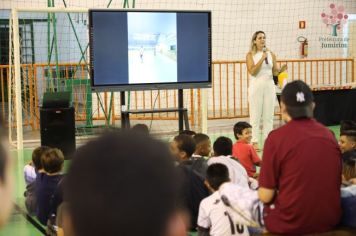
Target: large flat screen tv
149, 49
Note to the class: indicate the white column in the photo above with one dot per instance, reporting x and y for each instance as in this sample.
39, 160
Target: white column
17, 69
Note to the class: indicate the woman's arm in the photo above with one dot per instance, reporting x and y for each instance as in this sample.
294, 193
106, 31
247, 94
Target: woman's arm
251, 67
276, 70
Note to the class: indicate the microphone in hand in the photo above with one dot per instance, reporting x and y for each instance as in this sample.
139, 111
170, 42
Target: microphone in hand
265, 50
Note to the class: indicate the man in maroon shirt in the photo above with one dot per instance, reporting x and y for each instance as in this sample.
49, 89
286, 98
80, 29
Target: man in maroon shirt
301, 169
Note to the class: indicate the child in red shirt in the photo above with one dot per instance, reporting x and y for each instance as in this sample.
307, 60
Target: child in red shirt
243, 150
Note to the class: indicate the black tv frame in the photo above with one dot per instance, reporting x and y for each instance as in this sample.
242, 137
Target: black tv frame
149, 86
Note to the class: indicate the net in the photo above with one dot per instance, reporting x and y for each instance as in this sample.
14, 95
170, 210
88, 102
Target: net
54, 56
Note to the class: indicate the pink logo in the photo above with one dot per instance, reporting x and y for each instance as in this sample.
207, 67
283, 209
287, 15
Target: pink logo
336, 18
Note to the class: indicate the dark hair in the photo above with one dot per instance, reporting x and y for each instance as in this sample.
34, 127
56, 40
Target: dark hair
351, 134
347, 125
36, 156
187, 132
141, 129
185, 143
348, 128
216, 175
300, 112
3, 152
351, 154
52, 160
239, 127
127, 181
223, 146
200, 137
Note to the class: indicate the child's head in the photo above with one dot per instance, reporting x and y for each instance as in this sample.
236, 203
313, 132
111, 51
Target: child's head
136, 181
243, 131
349, 168
347, 139
182, 147
347, 142
52, 160
36, 156
141, 129
216, 175
222, 146
202, 144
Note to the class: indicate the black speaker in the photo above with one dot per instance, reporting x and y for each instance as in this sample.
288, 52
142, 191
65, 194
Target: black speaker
58, 129
56, 99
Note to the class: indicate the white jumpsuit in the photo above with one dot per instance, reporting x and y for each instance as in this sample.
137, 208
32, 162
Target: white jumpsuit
262, 96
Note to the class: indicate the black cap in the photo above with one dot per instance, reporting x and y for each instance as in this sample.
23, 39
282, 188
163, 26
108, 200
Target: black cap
297, 96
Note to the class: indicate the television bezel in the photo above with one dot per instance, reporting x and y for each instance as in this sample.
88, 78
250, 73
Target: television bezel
149, 86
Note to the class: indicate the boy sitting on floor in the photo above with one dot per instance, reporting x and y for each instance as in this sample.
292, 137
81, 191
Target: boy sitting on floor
347, 141
243, 150
47, 183
230, 208
31, 171
201, 153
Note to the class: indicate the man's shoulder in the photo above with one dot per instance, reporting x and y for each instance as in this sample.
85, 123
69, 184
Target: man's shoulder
297, 128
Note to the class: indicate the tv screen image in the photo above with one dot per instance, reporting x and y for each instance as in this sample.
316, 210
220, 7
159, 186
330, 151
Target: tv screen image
152, 39
146, 49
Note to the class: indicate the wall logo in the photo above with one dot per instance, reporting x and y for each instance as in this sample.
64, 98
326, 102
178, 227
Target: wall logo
335, 19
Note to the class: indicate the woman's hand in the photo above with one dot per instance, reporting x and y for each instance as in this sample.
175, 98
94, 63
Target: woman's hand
253, 68
283, 68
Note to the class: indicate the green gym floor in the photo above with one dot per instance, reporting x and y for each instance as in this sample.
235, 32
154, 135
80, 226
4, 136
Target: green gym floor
18, 225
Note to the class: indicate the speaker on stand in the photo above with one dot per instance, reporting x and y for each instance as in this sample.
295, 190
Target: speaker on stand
57, 122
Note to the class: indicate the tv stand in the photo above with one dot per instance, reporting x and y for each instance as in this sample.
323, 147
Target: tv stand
182, 112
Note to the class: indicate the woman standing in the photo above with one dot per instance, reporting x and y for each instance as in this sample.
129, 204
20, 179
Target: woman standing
261, 65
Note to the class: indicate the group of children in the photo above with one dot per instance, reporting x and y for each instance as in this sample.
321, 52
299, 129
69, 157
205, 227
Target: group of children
43, 177
218, 183
207, 169
236, 164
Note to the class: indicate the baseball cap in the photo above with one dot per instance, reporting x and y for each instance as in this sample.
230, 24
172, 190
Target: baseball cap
297, 96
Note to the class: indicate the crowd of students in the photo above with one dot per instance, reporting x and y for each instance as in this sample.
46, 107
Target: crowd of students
129, 183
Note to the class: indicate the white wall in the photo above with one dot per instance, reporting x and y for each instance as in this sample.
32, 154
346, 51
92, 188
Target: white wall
235, 21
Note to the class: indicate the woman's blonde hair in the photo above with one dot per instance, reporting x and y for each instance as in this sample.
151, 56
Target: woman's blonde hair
253, 45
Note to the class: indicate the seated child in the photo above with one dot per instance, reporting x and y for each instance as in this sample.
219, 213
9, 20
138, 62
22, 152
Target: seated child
243, 150
348, 193
221, 213
30, 172
202, 145
347, 139
47, 183
222, 148
201, 153
193, 189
